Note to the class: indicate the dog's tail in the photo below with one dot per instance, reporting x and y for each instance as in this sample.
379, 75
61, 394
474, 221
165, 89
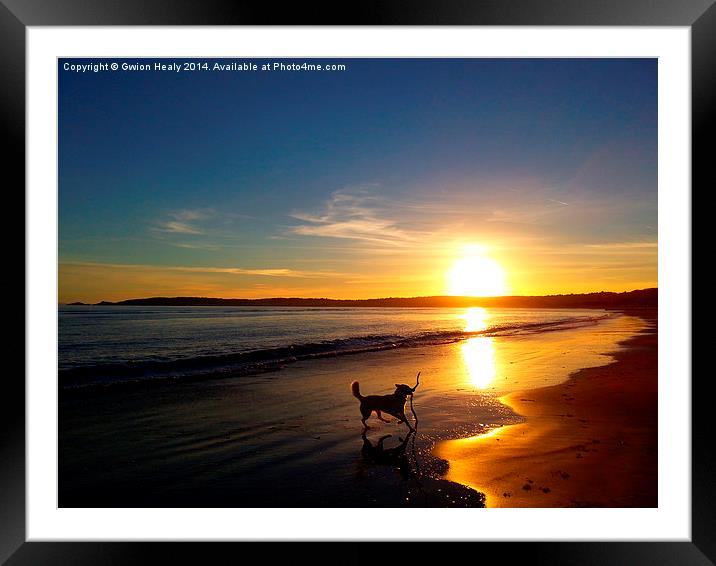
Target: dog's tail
355, 389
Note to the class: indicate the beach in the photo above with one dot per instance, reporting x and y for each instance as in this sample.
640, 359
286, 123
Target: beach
565, 417
589, 442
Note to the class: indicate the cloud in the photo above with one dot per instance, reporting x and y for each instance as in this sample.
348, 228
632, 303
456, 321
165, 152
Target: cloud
184, 221
267, 272
430, 219
208, 247
626, 246
174, 227
272, 272
518, 212
356, 214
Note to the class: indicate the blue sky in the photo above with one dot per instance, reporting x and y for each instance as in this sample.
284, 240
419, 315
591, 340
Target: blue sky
321, 178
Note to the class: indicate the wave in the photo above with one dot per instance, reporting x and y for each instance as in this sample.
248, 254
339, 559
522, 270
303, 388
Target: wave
234, 364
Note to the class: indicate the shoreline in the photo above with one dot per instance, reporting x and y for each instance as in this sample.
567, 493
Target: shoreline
108, 376
588, 442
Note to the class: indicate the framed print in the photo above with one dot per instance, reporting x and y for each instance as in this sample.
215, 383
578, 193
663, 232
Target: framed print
412, 277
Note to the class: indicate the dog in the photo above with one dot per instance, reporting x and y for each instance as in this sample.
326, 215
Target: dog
393, 404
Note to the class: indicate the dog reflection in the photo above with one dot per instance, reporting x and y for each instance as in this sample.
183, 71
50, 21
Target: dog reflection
396, 457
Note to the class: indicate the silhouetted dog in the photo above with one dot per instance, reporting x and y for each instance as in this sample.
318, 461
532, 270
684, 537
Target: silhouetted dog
393, 404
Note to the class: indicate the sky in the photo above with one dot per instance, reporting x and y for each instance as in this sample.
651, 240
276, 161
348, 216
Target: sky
374, 181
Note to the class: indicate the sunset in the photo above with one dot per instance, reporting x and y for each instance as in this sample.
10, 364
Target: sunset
357, 283
477, 275
264, 185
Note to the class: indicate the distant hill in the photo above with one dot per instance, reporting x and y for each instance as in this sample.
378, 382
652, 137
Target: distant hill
643, 298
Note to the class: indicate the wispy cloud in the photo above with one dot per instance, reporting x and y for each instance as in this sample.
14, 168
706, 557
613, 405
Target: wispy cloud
266, 272
429, 219
184, 221
208, 247
174, 227
625, 246
355, 214
274, 272
522, 212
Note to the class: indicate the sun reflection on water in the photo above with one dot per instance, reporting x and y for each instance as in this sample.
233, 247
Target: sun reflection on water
475, 319
478, 352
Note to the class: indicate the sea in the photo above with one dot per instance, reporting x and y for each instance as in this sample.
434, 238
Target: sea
107, 345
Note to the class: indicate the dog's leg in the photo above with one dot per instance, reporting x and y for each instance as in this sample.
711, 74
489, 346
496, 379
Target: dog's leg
365, 413
381, 417
404, 419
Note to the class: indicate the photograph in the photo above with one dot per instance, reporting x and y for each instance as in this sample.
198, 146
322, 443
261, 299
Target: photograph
357, 282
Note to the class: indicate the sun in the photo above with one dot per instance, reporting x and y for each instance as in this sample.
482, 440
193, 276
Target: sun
477, 275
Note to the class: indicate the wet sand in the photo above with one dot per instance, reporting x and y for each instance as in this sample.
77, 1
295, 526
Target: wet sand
589, 442
292, 438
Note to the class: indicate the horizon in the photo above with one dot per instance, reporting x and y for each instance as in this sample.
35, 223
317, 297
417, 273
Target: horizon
412, 177
455, 297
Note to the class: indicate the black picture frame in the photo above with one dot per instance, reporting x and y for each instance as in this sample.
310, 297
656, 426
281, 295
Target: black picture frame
16, 15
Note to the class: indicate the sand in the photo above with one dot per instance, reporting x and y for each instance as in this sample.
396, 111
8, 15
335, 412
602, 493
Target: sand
490, 432
291, 438
589, 442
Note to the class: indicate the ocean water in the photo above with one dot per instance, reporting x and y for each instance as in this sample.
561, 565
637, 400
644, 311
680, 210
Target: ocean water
100, 345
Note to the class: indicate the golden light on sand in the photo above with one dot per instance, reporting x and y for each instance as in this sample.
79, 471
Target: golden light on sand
479, 356
478, 353
477, 275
